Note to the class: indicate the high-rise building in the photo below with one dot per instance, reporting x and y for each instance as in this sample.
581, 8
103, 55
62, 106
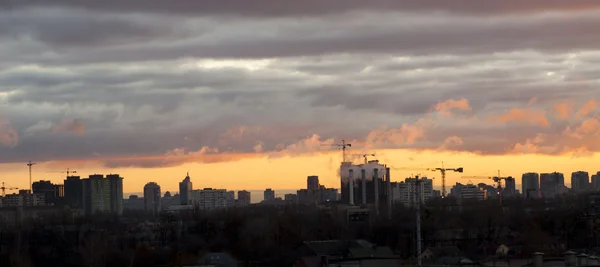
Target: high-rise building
45, 188
115, 183
210, 199
312, 183
596, 182
291, 198
230, 198
552, 184
580, 182
152, 198
269, 195
362, 183
103, 194
510, 187
243, 198
185, 190
73, 192
406, 192
531, 185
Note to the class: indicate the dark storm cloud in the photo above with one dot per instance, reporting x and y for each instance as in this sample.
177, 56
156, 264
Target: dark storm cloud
313, 7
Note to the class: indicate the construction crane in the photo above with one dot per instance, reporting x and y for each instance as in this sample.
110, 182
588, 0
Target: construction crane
67, 171
497, 179
30, 164
343, 145
4, 188
442, 170
365, 156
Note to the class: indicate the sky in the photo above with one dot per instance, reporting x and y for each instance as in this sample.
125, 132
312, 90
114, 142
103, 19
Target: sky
246, 94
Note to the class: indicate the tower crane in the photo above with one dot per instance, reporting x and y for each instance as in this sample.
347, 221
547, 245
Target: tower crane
4, 188
343, 145
67, 171
442, 170
365, 156
30, 164
497, 179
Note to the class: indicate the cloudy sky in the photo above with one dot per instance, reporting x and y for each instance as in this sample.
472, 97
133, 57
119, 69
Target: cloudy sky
158, 88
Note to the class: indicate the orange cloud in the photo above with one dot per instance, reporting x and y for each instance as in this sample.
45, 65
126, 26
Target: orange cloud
452, 142
8, 135
587, 108
445, 107
405, 135
589, 127
537, 117
563, 110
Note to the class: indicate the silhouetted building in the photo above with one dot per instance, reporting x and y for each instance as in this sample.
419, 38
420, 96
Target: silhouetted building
468, 192
596, 181
269, 194
406, 192
580, 182
510, 187
185, 190
103, 194
45, 188
531, 185
291, 198
312, 183
152, 198
73, 192
552, 184
243, 198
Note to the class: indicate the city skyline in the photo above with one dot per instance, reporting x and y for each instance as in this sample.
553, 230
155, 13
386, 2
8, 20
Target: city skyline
162, 89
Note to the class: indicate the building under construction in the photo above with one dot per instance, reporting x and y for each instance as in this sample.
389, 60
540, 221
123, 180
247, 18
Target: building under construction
365, 184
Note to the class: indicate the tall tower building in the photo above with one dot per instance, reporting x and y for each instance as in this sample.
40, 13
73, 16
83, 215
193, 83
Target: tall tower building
596, 182
243, 198
103, 194
115, 185
312, 183
73, 192
551, 184
531, 185
152, 197
580, 182
269, 194
510, 187
185, 190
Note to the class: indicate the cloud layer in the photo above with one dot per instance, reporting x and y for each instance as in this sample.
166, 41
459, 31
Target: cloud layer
160, 83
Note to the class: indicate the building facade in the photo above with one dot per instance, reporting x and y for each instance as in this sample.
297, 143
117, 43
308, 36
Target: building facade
580, 182
185, 190
468, 192
552, 184
73, 188
362, 183
596, 182
312, 183
269, 195
152, 198
102, 194
244, 198
530, 185
210, 199
406, 192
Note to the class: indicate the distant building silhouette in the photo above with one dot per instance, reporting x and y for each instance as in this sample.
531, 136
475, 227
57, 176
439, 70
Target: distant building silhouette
185, 190
510, 187
580, 182
530, 185
211, 199
312, 183
552, 184
244, 198
74, 192
152, 198
269, 194
596, 181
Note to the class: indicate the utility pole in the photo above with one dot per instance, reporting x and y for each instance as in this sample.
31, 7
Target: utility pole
418, 218
30, 164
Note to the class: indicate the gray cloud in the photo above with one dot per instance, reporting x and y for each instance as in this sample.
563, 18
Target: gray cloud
129, 83
314, 7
